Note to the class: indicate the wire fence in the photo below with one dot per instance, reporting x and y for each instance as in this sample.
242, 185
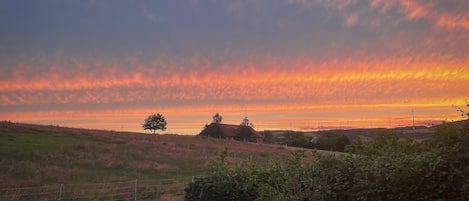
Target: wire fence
122, 191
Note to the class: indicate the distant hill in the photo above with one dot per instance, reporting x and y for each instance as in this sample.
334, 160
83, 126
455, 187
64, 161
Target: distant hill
420, 132
364, 134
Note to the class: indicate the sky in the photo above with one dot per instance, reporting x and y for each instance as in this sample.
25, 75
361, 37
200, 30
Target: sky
285, 64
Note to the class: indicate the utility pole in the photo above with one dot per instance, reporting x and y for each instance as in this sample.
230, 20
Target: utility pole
413, 120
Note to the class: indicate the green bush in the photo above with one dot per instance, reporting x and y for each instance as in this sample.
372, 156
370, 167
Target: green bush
387, 168
332, 142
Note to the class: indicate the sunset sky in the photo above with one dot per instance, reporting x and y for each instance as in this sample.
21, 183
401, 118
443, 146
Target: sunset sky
285, 64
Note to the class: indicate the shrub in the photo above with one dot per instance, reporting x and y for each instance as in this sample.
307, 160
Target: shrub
386, 169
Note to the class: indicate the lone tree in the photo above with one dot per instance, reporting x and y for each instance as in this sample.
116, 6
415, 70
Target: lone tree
155, 122
217, 118
246, 122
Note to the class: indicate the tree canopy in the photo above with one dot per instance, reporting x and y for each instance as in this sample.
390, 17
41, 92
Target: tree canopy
246, 122
217, 118
155, 122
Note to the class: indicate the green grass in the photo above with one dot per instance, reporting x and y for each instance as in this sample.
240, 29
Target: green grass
33, 155
27, 142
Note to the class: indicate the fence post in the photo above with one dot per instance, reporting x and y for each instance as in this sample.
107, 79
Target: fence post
60, 191
135, 190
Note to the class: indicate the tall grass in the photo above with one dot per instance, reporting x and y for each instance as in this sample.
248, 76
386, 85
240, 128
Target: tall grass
32, 155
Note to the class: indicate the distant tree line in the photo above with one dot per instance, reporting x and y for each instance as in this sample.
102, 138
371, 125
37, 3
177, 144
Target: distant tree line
328, 141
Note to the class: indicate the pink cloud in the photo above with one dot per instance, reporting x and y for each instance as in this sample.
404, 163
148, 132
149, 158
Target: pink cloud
267, 80
430, 10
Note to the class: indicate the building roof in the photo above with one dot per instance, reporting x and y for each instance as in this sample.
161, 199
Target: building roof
231, 131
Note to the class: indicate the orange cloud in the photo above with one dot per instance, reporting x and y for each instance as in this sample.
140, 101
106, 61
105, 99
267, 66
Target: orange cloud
416, 9
268, 81
272, 92
453, 21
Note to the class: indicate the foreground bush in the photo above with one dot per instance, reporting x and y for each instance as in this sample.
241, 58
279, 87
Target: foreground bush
405, 170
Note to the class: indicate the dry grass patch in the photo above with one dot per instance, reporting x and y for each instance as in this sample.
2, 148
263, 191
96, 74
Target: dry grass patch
50, 155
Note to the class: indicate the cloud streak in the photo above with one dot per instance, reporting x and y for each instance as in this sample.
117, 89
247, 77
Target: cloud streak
432, 11
242, 80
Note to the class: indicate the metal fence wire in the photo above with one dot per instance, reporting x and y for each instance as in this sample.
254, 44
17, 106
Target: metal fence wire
122, 191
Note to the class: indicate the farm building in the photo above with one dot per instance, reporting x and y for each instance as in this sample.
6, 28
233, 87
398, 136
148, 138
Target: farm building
232, 132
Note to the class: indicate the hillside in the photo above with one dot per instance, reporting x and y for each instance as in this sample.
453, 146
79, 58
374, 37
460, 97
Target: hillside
34, 155
419, 133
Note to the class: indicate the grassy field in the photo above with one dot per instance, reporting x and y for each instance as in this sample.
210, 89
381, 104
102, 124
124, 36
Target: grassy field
34, 155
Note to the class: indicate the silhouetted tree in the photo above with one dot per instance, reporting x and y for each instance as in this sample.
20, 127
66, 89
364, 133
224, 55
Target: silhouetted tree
464, 114
155, 122
246, 122
217, 118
